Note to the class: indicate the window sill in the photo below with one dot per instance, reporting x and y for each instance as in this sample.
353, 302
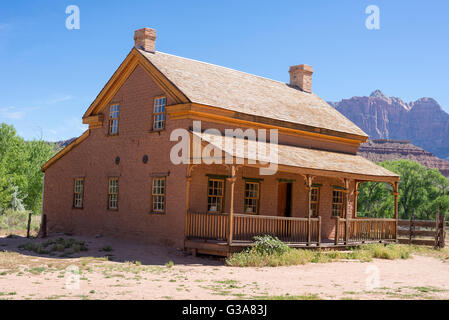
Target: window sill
158, 213
157, 130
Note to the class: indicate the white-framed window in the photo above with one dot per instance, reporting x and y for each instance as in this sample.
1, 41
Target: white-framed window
215, 195
78, 193
113, 193
337, 203
113, 119
252, 194
315, 201
158, 194
159, 113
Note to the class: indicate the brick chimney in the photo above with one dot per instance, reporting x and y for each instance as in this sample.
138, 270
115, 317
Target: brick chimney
301, 77
145, 39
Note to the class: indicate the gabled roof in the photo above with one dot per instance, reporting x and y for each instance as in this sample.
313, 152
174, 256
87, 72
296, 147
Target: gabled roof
304, 158
221, 87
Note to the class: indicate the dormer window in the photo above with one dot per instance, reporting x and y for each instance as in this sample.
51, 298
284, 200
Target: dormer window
159, 113
113, 119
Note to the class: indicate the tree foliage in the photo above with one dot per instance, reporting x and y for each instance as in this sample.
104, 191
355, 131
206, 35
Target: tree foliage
20, 175
421, 191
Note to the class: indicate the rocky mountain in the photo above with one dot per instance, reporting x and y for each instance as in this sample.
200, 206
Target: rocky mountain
63, 143
423, 122
382, 149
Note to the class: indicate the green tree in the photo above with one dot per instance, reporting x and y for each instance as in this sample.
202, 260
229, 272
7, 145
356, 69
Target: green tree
375, 200
421, 191
37, 153
413, 186
20, 164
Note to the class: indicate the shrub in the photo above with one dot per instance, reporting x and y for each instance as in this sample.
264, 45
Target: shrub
170, 264
107, 248
269, 245
51, 246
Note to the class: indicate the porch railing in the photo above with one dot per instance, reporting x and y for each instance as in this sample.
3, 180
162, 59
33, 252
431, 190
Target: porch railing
364, 230
207, 226
214, 226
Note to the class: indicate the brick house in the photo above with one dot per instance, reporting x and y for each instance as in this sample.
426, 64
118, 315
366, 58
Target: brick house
118, 178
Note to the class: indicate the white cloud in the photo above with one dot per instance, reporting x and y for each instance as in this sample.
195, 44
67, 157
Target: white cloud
59, 99
70, 127
11, 113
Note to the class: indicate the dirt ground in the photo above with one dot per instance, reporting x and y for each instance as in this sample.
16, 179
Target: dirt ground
141, 271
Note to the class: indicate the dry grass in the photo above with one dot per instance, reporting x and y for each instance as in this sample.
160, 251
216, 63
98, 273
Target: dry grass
15, 222
253, 258
13, 262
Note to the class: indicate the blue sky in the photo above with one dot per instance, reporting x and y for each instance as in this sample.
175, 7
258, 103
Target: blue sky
49, 75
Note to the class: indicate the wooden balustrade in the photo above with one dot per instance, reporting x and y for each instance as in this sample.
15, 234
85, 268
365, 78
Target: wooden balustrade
361, 230
290, 230
207, 226
214, 226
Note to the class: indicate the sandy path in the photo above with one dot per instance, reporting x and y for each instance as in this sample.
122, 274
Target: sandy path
39, 277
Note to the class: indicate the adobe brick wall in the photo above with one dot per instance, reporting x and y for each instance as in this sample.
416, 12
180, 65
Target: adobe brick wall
94, 159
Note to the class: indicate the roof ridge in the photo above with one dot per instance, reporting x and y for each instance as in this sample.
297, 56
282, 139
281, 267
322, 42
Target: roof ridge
216, 65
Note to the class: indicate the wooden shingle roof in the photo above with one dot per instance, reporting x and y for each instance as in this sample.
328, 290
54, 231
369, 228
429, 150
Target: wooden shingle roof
234, 90
292, 156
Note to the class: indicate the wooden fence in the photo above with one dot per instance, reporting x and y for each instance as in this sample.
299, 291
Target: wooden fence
423, 232
364, 230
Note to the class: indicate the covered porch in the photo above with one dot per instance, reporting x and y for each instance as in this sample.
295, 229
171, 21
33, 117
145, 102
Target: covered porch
310, 202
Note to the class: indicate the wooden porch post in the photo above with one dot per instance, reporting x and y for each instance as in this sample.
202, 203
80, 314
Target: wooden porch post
356, 196
309, 195
337, 235
346, 195
232, 180
396, 211
189, 180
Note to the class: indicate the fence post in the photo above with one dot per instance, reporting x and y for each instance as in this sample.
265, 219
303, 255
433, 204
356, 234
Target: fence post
440, 231
443, 229
44, 226
28, 225
437, 229
411, 227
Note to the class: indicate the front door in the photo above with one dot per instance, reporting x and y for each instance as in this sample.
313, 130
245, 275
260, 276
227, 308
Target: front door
285, 199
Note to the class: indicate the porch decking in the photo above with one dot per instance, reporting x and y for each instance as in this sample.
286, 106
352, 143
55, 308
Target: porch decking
210, 232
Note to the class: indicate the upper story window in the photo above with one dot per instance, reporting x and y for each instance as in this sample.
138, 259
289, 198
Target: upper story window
78, 193
337, 203
215, 195
113, 119
159, 113
113, 194
315, 201
252, 197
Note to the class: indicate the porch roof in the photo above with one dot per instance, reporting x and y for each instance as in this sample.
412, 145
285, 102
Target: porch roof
311, 160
